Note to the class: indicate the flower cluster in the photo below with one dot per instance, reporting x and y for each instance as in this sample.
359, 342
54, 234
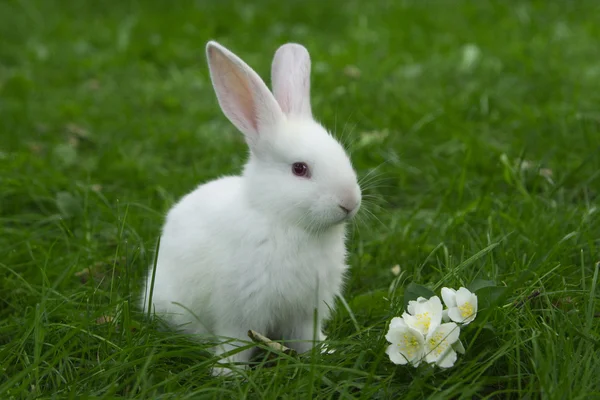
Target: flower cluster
420, 335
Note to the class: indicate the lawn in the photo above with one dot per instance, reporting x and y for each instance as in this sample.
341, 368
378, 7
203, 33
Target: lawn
474, 125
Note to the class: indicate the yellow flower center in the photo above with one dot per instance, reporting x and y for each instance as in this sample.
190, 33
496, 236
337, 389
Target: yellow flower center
438, 343
424, 320
466, 310
409, 345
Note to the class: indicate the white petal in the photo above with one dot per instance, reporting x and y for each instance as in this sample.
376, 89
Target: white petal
424, 304
326, 350
431, 357
397, 322
462, 296
455, 315
458, 347
410, 344
469, 319
435, 304
434, 325
448, 359
416, 306
450, 331
418, 337
439, 348
411, 307
394, 335
473, 301
445, 316
428, 314
449, 296
411, 322
435, 312
395, 356
416, 357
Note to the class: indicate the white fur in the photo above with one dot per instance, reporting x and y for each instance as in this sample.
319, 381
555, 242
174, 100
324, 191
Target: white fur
263, 250
292, 61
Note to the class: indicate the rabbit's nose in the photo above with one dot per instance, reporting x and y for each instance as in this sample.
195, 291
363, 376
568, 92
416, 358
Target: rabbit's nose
349, 203
349, 208
349, 198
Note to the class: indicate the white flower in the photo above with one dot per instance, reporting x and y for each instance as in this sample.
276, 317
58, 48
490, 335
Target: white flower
407, 343
461, 303
424, 315
439, 345
459, 347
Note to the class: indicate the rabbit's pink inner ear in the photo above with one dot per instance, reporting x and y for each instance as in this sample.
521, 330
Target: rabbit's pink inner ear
290, 76
242, 94
234, 91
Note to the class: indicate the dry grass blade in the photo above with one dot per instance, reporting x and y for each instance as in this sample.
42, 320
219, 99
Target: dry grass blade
258, 338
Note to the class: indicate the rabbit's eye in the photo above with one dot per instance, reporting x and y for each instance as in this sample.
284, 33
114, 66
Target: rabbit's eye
300, 169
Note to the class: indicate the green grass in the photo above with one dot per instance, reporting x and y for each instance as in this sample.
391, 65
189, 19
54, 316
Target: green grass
107, 117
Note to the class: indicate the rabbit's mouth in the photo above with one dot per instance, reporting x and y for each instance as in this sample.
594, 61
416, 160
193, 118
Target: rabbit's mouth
347, 216
349, 213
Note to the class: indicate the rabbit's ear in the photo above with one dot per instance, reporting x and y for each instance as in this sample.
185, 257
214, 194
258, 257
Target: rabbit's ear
290, 77
242, 95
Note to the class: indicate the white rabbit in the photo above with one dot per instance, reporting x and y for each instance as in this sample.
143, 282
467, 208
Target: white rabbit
263, 250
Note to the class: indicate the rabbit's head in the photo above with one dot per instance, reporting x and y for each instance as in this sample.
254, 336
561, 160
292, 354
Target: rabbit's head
297, 171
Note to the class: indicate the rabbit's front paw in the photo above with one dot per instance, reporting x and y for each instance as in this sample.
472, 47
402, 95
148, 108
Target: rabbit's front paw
223, 370
230, 361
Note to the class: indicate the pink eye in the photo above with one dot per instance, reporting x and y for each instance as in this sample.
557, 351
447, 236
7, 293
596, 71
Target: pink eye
300, 169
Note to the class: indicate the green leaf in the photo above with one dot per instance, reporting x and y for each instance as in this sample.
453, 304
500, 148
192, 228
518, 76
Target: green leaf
489, 296
466, 263
366, 307
368, 300
478, 284
490, 327
414, 291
